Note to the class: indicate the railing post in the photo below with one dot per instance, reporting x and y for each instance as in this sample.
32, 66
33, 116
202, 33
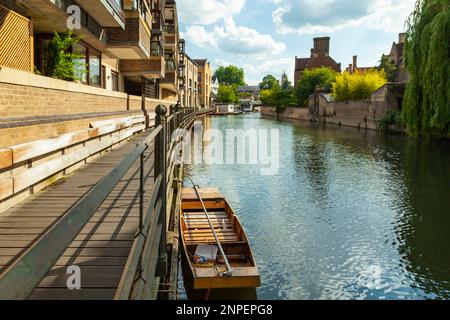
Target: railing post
141, 194
161, 169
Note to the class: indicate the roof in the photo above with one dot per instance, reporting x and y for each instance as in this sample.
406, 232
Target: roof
398, 49
201, 62
317, 62
191, 60
248, 88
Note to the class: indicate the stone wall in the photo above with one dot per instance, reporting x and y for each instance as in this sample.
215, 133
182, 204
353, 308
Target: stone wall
358, 114
289, 113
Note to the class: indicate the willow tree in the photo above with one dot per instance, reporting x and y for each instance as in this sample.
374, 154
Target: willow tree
427, 98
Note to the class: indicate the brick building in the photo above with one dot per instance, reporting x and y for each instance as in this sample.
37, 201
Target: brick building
397, 57
320, 57
189, 86
204, 82
129, 46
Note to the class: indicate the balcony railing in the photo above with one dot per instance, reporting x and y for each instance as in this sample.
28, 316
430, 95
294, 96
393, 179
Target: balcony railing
170, 65
169, 28
157, 50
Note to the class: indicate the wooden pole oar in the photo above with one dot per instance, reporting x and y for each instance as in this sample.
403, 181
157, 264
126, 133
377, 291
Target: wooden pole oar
228, 273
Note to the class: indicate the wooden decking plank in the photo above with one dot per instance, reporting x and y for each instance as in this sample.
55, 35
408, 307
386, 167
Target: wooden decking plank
102, 247
87, 281
87, 270
79, 261
74, 244
64, 294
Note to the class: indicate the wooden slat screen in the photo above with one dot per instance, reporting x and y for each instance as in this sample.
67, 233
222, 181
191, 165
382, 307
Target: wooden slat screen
16, 41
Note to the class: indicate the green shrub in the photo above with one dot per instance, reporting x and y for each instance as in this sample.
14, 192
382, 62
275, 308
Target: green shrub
62, 64
358, 86
393, 118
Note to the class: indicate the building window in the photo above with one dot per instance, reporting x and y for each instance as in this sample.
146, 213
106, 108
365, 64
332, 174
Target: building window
103, 77
115, 81
81, 63
88, 68
42, 52
94, 68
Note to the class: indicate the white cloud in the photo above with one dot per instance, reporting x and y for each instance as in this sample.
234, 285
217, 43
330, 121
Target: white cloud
255, 72
234, 39
208, 12
315, 16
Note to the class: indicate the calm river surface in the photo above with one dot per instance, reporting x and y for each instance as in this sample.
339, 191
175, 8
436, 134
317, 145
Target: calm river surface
350, 214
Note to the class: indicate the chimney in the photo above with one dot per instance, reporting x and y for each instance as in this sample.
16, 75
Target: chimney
355, 62
350, 68
402, 38
322, 46
312, 53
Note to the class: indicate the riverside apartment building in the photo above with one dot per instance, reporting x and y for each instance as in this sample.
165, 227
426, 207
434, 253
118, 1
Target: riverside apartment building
131, 54
129, 46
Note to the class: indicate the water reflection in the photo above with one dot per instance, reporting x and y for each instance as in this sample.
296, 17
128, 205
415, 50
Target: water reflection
350, 215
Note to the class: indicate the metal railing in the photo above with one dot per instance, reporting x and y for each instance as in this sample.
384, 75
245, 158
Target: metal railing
148, 255
142, 266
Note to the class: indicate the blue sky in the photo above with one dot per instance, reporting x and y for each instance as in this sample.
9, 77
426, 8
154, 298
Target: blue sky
264, 36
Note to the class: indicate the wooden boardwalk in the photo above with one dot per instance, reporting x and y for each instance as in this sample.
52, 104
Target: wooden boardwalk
101, 249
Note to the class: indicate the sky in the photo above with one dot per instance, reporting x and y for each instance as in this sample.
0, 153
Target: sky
264, 36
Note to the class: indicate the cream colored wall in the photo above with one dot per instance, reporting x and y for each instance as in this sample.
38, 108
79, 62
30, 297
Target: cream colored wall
205, 96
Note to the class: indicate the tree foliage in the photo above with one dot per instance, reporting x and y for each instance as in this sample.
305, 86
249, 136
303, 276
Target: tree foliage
426, 108
62, 64
321, 78
230, 75
357, 86
389, 68
278, 97
227, 94
269, 82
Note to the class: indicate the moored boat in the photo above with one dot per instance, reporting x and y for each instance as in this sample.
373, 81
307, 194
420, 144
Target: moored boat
216, 250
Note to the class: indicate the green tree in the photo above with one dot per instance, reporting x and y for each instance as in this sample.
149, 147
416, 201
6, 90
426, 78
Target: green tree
316, 78
278, 98
230, 75
284, 98
266, 97
227, 94
269, 82
62, 64
389, 67
426, 106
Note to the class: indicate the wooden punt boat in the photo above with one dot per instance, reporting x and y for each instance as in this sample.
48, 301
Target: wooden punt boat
196, 231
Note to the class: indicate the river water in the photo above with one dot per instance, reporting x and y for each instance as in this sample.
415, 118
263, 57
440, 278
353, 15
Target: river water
349, 215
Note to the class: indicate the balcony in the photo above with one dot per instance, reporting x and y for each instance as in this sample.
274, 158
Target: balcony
108, 13
170, 81
131, 43
50, 15
171, 36
151, 68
